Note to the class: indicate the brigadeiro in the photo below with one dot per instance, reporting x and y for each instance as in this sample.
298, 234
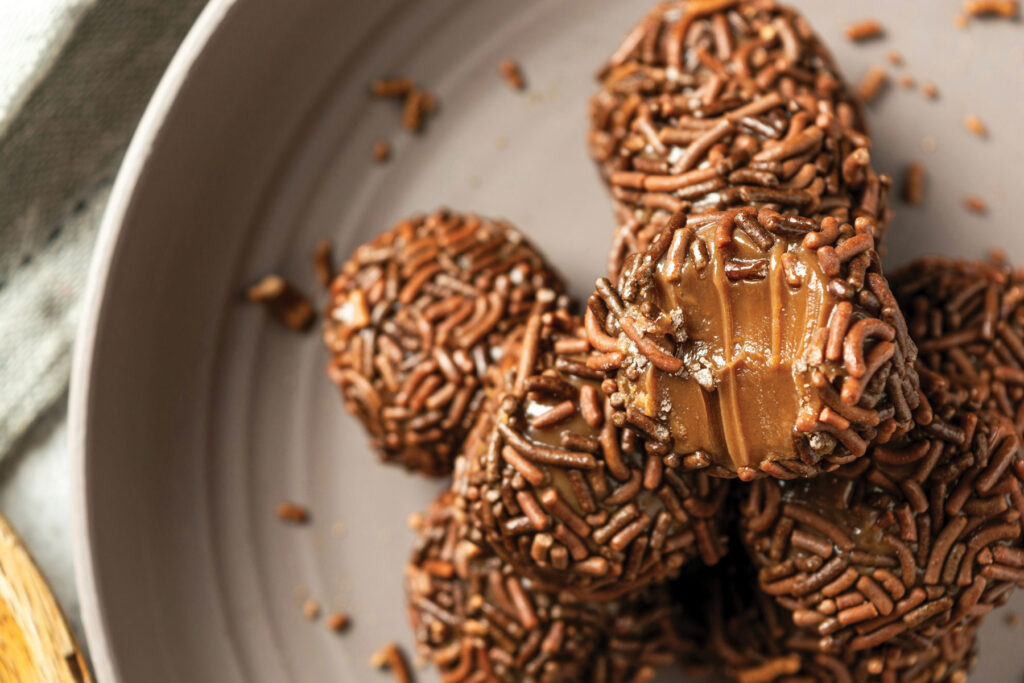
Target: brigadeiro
476, 619
415, 318
570, 493
714, 105
766, 343
750, 637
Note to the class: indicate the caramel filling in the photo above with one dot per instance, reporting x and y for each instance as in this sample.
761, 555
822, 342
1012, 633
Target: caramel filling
744, 382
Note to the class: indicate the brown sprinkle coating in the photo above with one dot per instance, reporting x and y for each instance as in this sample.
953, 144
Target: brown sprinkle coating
292, 512
840, 374
480, 620
864, 30
595, 506
415, 319
512, 73
709, 107
1006, 9
913, 184
283, 301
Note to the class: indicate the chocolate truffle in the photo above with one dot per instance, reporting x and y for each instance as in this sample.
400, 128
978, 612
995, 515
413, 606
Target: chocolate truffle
416, 317
766, 343
476, 619
572, 495
751, 638
917, 538
709, 105
968, 321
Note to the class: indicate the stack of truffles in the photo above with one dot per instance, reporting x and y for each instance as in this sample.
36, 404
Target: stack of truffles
752, 451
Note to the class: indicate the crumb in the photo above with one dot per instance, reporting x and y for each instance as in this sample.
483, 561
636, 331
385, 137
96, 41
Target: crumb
311, 609
894, 57
392, 658
283, 301
396, 88
929, 144
292, 512
975, 204
338, 529
512, 73
415, 521
872, 84
381, 151
913, 184
929, 90
337, 621
864, 30
323, 263
907, 81
1007, 9
976, 126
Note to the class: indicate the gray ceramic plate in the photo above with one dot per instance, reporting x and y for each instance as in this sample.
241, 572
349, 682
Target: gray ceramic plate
193, 415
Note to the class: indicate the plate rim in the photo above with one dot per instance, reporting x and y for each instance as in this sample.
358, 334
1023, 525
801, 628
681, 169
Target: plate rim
105, 251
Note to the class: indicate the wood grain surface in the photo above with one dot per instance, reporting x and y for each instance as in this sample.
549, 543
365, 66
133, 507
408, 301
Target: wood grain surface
35, 642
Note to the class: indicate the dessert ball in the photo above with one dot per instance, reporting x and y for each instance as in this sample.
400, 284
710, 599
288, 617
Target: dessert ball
968, 320
708, 106
767, 343
750, 637
572, 494
415, 318
474, 618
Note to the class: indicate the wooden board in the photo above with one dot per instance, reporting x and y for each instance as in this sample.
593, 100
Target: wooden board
35, 641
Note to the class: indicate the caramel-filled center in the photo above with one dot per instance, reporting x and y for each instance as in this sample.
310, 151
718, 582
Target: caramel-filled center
744, 380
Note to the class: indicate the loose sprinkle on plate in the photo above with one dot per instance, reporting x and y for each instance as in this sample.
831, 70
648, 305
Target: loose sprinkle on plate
283, 301
976, 126
872, 84
913, 184
975, 204
864, 30
513, 73
292, 512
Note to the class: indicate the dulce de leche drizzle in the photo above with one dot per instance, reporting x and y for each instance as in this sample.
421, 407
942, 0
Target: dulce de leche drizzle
744, 383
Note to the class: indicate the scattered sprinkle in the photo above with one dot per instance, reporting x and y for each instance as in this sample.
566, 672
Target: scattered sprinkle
292, 512
415, 521
961, 20
976, 126
391, 657
338, 529
512, 73
907, 81
894, 57
975, 204
323, 263
381, 151
311, 609
283, 301
1007, 9
392, 87
929, 144
913, 184
501, 142
418, 105
864, 30
337, 621
872, 84
929, 90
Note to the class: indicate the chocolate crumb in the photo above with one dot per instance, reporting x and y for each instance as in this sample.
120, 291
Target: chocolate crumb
976, 204
894, 57
872, 84
381, 151
913, 184
391, 657
864, 30
323, 263
283, 301
292, 512
976, 126
392, 87
311, 609
512, 73
338, 621
929, 90
1006, 9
